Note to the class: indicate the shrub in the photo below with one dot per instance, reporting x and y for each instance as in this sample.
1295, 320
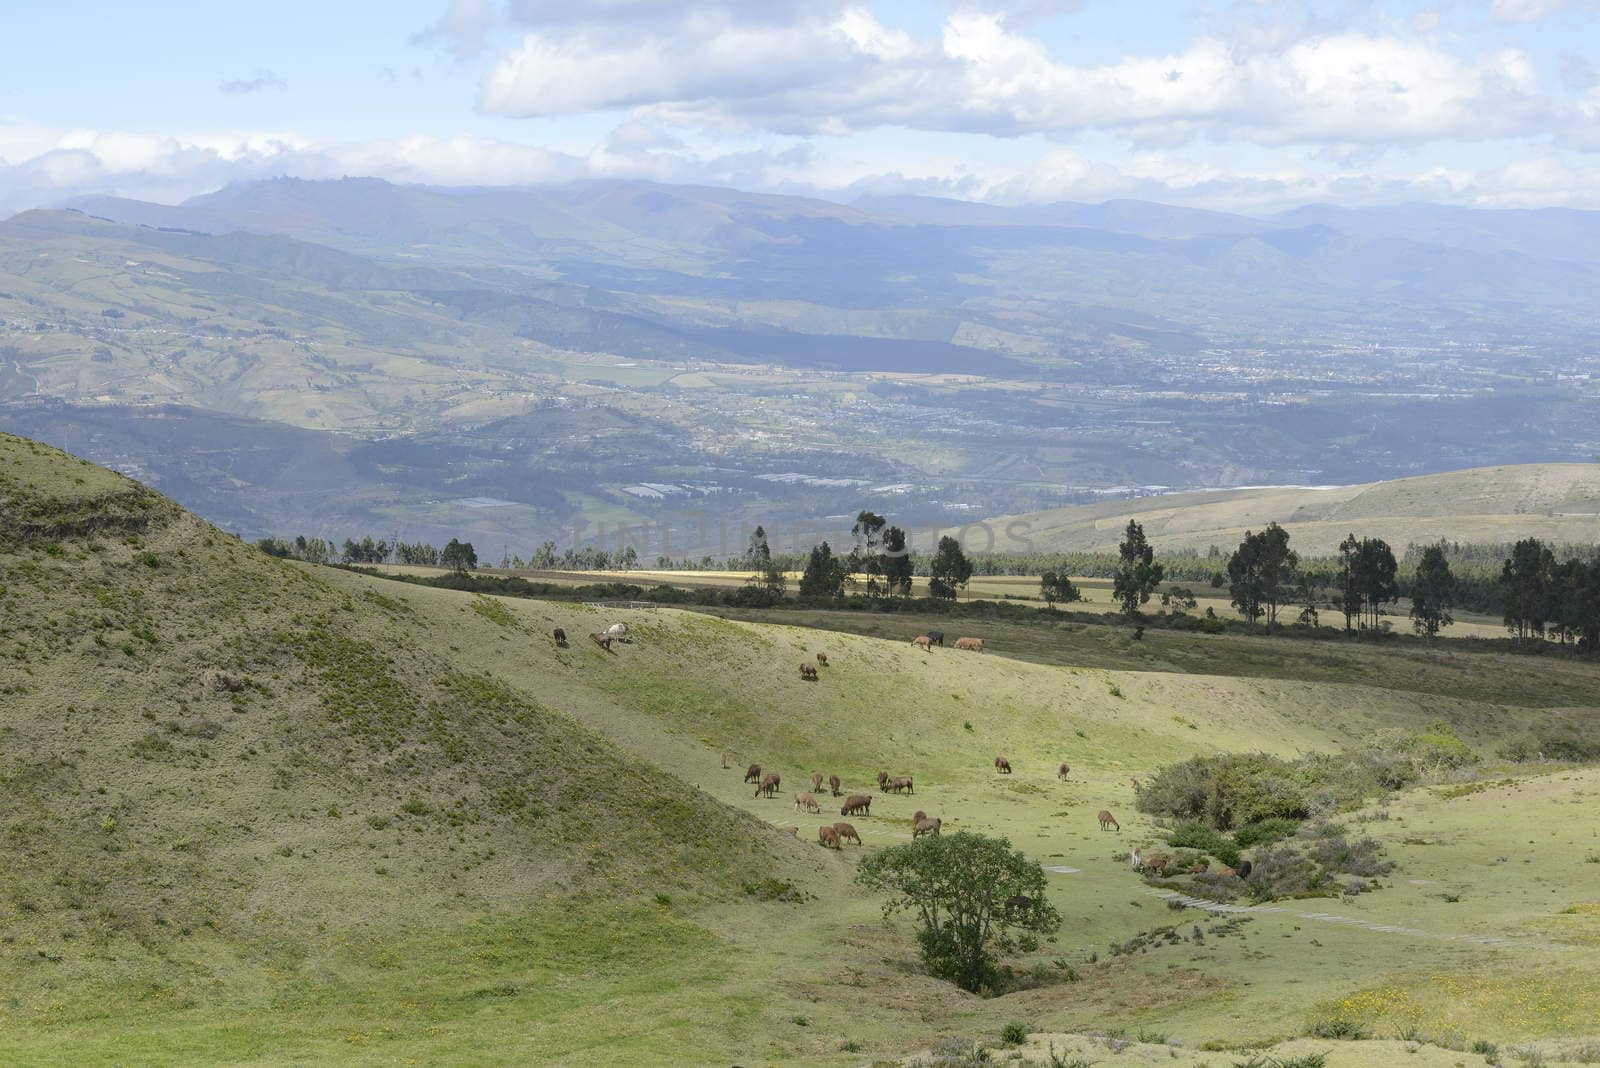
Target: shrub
1265, 832
1198, 836
1014, 1034
1339, 1028
1226, 791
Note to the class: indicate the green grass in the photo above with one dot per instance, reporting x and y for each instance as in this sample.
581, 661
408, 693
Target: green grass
261, 812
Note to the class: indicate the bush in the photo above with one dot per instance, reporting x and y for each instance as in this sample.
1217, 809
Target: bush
1014, 1034
1227, 791
1265, 832
1211, 842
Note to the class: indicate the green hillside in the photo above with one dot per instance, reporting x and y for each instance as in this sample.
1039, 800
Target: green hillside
1557, 502
258, 812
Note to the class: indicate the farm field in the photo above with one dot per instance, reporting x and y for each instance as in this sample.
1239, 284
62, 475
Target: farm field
265, 812
1555, 502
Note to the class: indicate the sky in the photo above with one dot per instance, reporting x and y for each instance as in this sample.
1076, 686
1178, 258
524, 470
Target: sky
1235, 104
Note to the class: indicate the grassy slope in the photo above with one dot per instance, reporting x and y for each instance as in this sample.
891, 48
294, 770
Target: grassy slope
228, 783
1558, 502
454, 954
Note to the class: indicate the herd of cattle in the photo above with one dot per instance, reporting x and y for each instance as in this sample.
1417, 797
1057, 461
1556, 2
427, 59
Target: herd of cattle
832, 835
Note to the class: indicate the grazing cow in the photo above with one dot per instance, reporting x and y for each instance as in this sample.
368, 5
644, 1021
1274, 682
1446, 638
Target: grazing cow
822, 659
883, 780
816, 782
926, 826
601, 640
1245, 868
1019, 903
918, 817
561, 637
936, 637
1199, 867
1063, 771
1002, 765
769, 784
808, 673
1226, 871
617, 632
923, 642
1157, 864
1108, 820
807, 802
971, 645
901, 784
790, 830
847, 833
833, 784
828, 837
753, 773
857, 804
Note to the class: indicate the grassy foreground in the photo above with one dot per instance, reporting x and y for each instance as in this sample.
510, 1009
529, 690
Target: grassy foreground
260, 812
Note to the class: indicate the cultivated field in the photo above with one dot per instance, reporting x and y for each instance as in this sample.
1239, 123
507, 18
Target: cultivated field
1556, 502
264, 812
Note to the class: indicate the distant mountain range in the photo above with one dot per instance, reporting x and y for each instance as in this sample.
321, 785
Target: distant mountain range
984, 359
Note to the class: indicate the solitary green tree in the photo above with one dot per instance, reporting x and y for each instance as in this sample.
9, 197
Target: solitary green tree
1244, 578
1525, 582
1057, 586
967, 893
1138, 574
866, 556
1433, 592
896, 564
950, 569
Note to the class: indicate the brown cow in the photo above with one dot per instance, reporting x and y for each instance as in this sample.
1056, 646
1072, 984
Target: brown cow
601, 640
808, 672
1157, 863
923, 642
971, 645
822, 659
790, 830
816, 782
926, 827
918, 817
807, 802
828, 837
883, 780
769, 784
1063, 771
847, 833
1002, 765
1108, 820
1019, 903
561, 637
857, 804
753, 773
833, 784
901, 784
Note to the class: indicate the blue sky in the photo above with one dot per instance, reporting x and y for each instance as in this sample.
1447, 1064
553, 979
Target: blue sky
1243, 105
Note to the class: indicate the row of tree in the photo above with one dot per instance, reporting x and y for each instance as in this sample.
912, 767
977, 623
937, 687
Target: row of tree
457, 555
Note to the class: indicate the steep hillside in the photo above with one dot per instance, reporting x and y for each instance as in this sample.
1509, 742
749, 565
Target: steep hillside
1558, 502
222, 774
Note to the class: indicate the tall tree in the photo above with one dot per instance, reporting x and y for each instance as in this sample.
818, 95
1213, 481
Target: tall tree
896, 563
866, 555
1244, 578
1376, 581
1276, 564
1433, 592
824, 574
759, 553
1137, 573
1525, 582
949, 570
1349, 582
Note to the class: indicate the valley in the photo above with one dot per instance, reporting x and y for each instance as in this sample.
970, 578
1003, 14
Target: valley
262, 810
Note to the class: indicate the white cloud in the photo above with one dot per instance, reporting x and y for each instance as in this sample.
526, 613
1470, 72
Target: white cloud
1524, 10
260, 82
844, 71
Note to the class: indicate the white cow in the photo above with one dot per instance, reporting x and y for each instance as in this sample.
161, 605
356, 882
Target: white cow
617, 632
